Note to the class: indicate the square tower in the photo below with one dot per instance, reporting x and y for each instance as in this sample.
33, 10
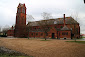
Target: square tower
20, 26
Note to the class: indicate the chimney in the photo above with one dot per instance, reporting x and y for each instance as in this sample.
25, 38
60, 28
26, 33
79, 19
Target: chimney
12, 27
64, 19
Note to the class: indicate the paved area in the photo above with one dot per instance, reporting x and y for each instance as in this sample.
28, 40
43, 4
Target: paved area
39, 48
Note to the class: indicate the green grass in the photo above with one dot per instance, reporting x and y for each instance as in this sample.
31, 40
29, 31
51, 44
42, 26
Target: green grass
83, 37
83, 42
13, 55
7, 55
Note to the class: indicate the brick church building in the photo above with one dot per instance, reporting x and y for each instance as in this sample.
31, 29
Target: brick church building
65, 27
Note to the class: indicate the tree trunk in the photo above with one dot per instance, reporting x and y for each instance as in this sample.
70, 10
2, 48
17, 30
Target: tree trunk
28, 34
45, 36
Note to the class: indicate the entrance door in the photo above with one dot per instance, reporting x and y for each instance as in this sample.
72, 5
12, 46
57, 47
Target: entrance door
53, 36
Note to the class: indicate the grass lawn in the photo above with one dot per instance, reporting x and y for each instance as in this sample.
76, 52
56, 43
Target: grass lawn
83, 37
45, 40
83, 42
11, 55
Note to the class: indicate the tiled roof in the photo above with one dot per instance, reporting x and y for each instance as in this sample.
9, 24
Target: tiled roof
68, 20
65, 28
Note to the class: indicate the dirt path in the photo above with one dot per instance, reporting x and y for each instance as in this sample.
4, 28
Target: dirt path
38, 48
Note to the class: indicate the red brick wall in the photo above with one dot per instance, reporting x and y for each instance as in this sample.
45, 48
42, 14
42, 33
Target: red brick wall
36, 34
42, 34
53, 30
10, 33
60, 34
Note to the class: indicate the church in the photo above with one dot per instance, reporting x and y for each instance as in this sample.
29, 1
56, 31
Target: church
60, 28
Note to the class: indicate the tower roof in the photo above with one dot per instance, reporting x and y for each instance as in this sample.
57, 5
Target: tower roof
21, 5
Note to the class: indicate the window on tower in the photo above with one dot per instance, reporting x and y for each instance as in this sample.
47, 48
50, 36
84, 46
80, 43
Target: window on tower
19, 10
23, 10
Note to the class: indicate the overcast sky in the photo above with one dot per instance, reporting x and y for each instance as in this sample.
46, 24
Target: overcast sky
57, 8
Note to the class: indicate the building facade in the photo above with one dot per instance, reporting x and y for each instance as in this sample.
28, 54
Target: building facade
65, 27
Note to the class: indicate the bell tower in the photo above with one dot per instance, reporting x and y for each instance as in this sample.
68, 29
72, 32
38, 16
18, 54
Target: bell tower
20, 26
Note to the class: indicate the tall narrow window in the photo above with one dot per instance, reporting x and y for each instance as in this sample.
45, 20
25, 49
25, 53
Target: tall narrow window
41, 34
23, 10
36, 34
76, 30
35, 28
32, 34
61, 26
46, 34
19, 10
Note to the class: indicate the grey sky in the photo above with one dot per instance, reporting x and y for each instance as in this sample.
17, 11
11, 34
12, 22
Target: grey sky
57, 8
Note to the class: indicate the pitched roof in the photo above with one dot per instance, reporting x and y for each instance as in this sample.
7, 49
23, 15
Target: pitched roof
65, 28
68, 20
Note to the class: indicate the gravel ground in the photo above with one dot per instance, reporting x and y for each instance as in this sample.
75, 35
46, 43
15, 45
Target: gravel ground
38, 48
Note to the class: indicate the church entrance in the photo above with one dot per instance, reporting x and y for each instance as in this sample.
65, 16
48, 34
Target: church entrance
53, 35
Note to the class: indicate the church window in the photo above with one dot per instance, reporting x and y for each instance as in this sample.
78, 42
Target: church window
38, 28
36, 34
35, 28
61, 26
32, 34
23, 17
46, 34
76, 30
59, 34
23, 10
65, 33
19, 10
41, 34
55, 22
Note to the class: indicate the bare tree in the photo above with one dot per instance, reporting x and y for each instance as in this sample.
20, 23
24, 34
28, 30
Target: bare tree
29, 19
75, 16
5, 29
46, 16
44, 24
